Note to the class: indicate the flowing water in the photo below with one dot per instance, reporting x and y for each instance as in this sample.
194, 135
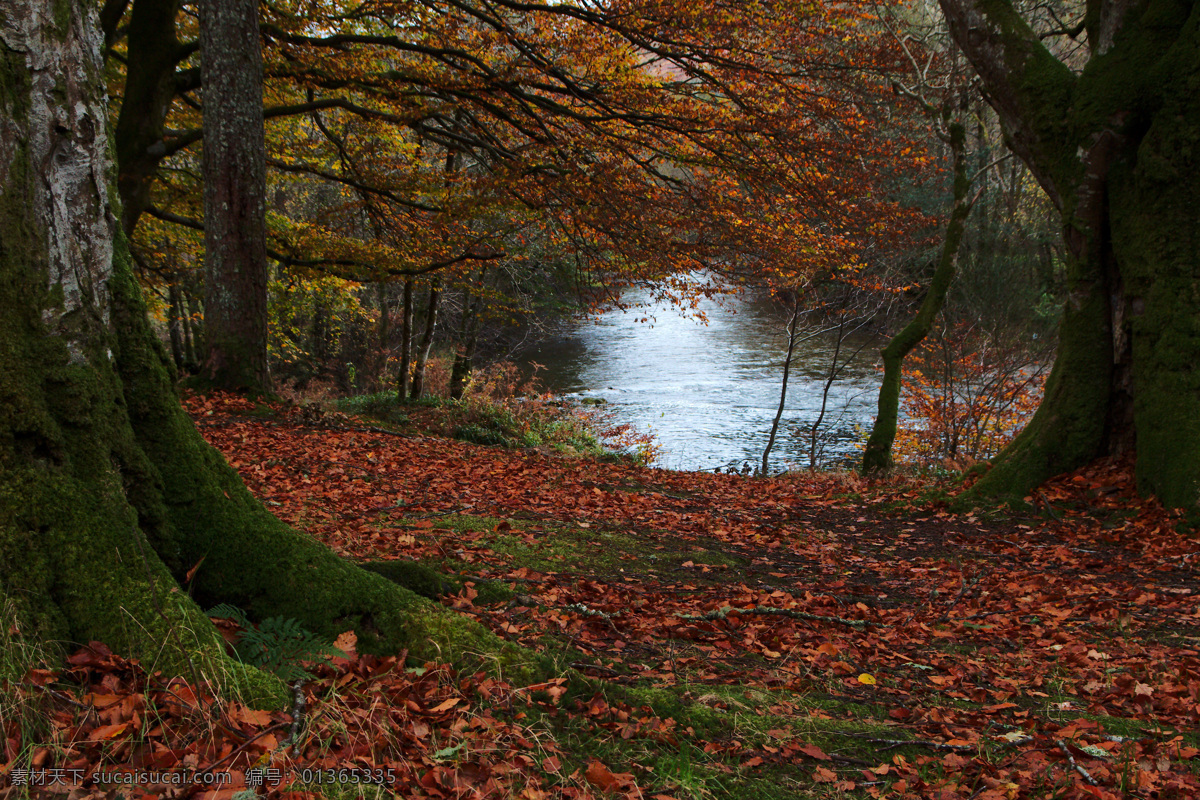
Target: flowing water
709, 392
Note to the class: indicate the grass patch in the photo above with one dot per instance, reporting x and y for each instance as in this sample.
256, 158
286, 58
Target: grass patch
718, 742
383, 406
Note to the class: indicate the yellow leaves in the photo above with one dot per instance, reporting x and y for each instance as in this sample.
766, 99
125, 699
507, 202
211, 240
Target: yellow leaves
867, 679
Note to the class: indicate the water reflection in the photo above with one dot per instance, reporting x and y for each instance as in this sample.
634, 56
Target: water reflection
709, 392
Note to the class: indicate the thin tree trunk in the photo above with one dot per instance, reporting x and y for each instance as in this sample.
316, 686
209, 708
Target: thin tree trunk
418, 386
878, 454
235, 233
464, 363
175, 323
787, 366
431, 315
193, 332
383, 333
468, 337
833, 373
402, 376
458, 372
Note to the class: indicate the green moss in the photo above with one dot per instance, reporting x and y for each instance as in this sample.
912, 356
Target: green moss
73, 554
15, 86
250, 559
1141, 96
415, 577
1068, 429
1156, 240
63, 11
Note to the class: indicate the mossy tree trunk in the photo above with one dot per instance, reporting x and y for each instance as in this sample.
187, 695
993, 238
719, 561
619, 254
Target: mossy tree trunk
108, 494
1116, 148
877, 456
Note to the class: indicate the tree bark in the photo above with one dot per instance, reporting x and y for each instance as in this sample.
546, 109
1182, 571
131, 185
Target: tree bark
153, 53
193, 341
108, 494
431, 315
877, 456
175, 323
402, 375
783, 387
468, 337
235, 225
383, 333
1114, 149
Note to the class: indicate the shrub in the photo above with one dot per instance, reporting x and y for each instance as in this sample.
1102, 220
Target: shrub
380, 405
966, 395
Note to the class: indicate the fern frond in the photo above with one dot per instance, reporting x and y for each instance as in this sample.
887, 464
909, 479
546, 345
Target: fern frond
226, 611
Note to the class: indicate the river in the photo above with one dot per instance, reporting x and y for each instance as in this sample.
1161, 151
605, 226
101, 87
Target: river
708, 392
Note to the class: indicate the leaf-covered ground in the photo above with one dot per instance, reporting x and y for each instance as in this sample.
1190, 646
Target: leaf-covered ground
809, 636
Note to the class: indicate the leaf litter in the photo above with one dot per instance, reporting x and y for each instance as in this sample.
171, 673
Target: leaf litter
1052, 655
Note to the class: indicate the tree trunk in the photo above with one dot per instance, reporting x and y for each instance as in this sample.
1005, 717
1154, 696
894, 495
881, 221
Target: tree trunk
878, 454
468, 337
402, 376
108, 494
1156, 243
787, 368
383, 334
193, 340
1114, 148
431, 315
175, 323
235, 227
153, 53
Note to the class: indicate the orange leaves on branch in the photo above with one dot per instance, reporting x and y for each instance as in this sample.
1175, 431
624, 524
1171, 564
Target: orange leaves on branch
965, 397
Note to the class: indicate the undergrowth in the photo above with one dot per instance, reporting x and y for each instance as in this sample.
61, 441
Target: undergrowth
499, 408
24, 714
277, 645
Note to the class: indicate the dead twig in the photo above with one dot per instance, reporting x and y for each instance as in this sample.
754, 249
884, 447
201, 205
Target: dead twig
723, 613
1071, 759
962, 591
297, 714
580, 665
893, 743
1049, 508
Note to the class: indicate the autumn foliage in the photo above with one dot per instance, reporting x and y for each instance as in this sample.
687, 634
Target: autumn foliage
966, 395
503, 148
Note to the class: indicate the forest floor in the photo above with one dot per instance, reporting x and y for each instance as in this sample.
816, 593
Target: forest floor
808, 636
